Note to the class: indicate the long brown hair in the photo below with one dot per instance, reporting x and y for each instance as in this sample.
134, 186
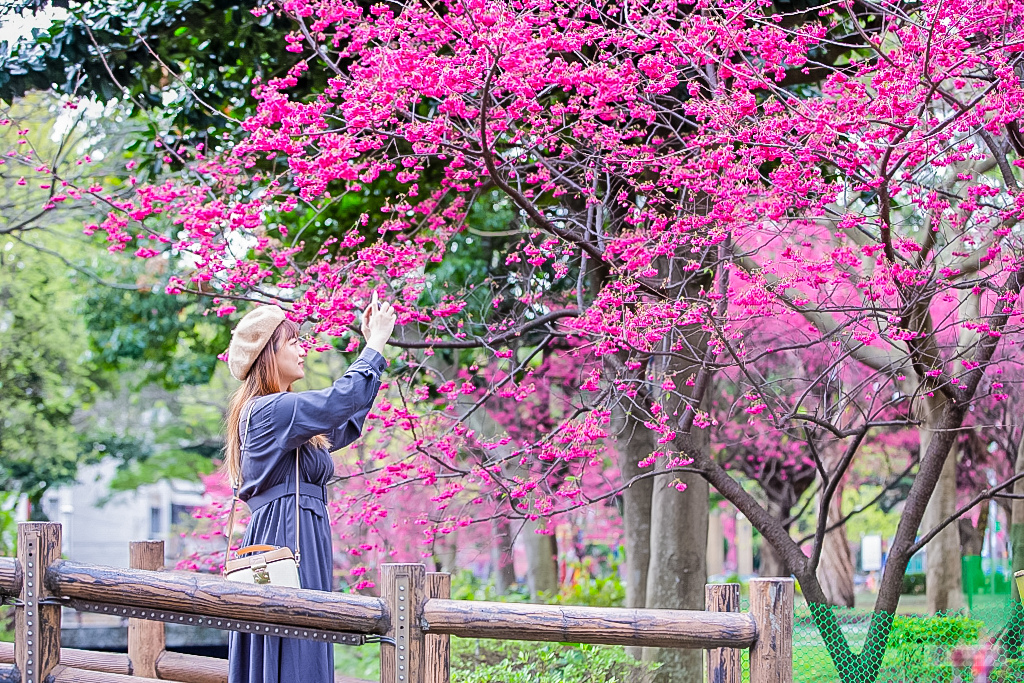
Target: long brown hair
262, 380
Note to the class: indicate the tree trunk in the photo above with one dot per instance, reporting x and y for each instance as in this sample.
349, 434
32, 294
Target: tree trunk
634, 443
446, 547
542, 562
677, 574
943, 581
501, 555
1013, 638
835, 573
1017, 521
771, 563
716, 544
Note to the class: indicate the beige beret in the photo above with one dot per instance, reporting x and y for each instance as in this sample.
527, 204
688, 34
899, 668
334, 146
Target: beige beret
249, 337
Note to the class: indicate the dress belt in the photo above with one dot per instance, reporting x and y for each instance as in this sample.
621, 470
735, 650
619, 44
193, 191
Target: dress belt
287, 489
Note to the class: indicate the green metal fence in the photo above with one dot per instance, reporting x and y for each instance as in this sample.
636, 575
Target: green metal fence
979, 644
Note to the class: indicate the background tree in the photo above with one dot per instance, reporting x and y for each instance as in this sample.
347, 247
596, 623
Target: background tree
660, 156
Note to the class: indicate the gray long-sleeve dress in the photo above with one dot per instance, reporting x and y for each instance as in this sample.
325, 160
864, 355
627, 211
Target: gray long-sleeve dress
279, 424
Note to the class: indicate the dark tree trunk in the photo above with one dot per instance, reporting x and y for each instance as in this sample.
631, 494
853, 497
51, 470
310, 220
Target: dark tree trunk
943, 579
772, 563
501, 555
633, 442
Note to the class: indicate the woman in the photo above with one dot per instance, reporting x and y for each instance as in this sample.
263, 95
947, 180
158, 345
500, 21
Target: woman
266, 423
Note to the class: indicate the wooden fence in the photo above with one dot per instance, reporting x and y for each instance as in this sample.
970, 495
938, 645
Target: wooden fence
412, 619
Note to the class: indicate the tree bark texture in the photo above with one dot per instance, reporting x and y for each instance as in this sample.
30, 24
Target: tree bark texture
772, 563
634, 443
501, 555
542, 562
835, 573
943, 581
1017, 521
1012, 639
678, 571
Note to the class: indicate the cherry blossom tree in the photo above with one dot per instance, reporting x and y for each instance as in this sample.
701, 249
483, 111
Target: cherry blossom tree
680, 173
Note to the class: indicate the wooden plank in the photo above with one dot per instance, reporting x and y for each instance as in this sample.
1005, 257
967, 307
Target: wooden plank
403, 589
438, 646
725, 664
207, 595
771, 655
67, 674
171, 666
36, 625
146, 639
176, 666
111, 662
10, 577
596, 625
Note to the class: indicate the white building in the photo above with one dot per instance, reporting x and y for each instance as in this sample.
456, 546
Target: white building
98, 525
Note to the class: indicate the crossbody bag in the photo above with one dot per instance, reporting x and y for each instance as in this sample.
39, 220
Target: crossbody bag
263, 564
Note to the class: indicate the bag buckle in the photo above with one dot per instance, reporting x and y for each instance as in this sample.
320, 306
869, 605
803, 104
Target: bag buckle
260, 573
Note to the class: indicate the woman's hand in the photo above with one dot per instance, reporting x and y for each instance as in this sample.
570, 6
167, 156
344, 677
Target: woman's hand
378, 322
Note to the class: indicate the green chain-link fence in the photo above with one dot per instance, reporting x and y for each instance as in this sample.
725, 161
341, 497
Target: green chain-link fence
983, 643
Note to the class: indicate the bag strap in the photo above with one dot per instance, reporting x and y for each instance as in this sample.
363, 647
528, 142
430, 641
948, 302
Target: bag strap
235, 499
298, 513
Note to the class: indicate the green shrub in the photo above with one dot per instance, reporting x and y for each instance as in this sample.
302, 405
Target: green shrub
913, 584
466, 586
584, 588
593, 590
919, 647
496, 661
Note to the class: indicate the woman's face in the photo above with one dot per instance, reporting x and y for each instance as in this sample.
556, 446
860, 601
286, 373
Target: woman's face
289, 362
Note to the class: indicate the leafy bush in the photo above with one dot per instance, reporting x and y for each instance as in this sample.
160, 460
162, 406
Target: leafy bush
467, 586
919, 647
593, 590
913, 584
584, 587
494, 661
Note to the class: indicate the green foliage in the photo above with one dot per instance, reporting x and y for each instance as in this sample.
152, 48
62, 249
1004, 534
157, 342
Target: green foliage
44, 374
913, 584
510, 661
8, 524
172, 464
360, 663
593, 590
493, 661
584, 588
875, 520
168, 336
919, 648
467, 586
915, 633
214, 48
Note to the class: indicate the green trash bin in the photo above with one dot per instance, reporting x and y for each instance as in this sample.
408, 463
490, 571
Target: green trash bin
1020, 582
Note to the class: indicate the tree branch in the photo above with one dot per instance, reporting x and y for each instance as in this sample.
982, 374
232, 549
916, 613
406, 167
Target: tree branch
984, 495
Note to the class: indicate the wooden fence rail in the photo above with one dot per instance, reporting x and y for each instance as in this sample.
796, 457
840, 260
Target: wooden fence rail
413, 619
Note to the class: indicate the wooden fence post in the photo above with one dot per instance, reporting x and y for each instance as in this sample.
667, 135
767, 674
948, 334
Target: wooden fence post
146, 640
403, 589
771, 655
438, 646
725, 664
37, 620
